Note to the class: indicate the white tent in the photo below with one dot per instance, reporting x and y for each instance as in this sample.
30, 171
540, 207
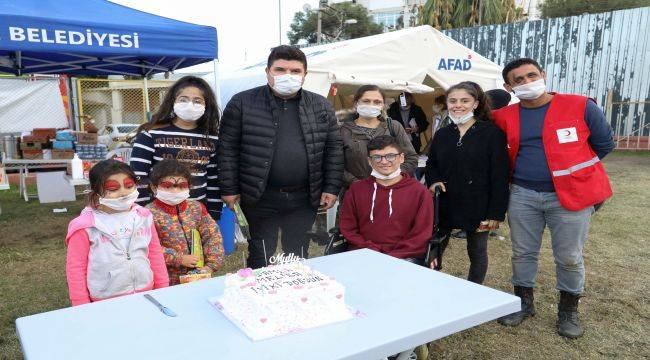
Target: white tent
419, 60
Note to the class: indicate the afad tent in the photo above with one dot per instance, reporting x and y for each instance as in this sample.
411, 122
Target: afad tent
419, 60
97, 37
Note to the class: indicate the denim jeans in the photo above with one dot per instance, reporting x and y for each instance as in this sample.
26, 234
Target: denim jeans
529, 212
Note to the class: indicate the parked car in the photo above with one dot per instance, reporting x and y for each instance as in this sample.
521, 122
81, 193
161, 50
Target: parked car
116, 133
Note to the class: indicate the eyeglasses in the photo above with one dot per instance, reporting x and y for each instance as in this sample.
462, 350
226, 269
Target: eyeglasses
183, 185
389, 157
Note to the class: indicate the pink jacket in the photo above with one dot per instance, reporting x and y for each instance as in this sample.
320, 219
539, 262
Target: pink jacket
99, 267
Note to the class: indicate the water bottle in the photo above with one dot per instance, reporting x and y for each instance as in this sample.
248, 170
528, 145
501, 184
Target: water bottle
77, 168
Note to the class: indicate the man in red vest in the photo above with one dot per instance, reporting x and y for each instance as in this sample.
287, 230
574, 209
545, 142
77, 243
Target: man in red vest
555, 144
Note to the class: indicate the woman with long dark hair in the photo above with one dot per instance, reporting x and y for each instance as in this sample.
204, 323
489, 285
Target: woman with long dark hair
368, 122
468, 160
184, 128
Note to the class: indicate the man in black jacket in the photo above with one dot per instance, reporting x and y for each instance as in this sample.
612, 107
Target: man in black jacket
280, 154
411, 116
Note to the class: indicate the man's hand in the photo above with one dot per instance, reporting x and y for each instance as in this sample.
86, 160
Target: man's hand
493, 224
230, 200
433, 187
327, 201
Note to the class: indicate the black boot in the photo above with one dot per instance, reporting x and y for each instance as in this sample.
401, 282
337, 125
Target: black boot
527, 307
568, 323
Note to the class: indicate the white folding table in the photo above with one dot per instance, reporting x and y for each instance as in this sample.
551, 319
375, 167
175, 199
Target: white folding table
404, 305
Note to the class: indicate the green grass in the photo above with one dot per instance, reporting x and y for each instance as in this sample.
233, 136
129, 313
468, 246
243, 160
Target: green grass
615, 310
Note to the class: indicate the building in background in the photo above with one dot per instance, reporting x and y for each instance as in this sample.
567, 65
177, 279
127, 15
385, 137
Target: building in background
392, 14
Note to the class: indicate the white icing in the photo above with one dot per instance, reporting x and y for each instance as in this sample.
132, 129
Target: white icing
281, 299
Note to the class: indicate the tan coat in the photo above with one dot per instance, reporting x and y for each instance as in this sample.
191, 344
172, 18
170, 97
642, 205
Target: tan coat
355, 142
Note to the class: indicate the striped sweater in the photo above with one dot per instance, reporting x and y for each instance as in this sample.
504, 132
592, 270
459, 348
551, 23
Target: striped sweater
189, 146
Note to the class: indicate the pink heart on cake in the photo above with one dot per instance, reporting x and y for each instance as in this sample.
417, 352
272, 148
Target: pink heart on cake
339, 296
303, 299
245, 272
263, 320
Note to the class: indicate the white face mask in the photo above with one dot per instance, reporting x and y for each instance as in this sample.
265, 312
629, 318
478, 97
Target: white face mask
530, 91
188, 111
379, 176
368, 111
121, 203
461, 119
287, 84
172, 198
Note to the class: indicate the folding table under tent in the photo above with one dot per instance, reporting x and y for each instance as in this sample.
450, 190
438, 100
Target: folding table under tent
97, 37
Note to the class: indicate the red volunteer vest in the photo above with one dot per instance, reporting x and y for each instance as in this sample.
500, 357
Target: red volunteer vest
578, 175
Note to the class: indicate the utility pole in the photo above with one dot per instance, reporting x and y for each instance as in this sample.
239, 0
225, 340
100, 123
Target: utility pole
318, 27
279, 22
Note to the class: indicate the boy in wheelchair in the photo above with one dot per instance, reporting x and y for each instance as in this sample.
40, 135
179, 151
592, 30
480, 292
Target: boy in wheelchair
389, 212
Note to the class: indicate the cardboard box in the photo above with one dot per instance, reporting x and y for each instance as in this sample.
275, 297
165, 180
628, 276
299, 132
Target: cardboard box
87, 138
62, 154
32, 154
29, 145
45, 132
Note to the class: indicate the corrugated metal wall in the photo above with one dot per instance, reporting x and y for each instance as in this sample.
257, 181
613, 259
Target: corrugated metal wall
605, 56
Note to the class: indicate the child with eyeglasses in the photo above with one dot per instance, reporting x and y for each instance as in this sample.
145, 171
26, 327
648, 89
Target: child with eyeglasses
181, 222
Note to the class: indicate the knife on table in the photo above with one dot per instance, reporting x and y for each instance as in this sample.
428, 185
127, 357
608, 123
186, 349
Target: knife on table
165, 310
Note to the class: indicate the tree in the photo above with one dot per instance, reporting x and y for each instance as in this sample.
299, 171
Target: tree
448, 14
333, 26
560, 8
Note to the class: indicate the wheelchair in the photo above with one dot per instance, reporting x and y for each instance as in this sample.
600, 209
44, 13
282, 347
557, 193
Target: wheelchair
433, 259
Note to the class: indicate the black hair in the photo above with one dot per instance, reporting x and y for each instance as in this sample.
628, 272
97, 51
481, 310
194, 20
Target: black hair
498, 98
286, 52
517, 63
441, 100
209, 122
382, 142
99, 173
169, 167
482, 111
365, 88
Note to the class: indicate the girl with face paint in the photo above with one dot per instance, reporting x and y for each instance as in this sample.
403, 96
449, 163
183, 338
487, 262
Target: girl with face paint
469, 163
113, 248
179, 220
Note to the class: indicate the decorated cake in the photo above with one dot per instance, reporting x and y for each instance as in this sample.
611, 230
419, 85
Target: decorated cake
281, 299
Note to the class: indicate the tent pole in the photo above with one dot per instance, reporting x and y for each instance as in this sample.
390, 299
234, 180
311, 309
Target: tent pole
74, 104
217, 88
146, 100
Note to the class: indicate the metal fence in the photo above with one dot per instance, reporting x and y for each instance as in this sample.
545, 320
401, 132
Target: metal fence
604, 56
112, 102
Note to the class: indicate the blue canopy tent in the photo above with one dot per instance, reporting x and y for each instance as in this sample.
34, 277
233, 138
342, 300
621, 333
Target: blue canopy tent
97, 37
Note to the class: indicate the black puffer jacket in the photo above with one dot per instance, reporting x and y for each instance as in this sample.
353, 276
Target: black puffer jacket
248, 133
